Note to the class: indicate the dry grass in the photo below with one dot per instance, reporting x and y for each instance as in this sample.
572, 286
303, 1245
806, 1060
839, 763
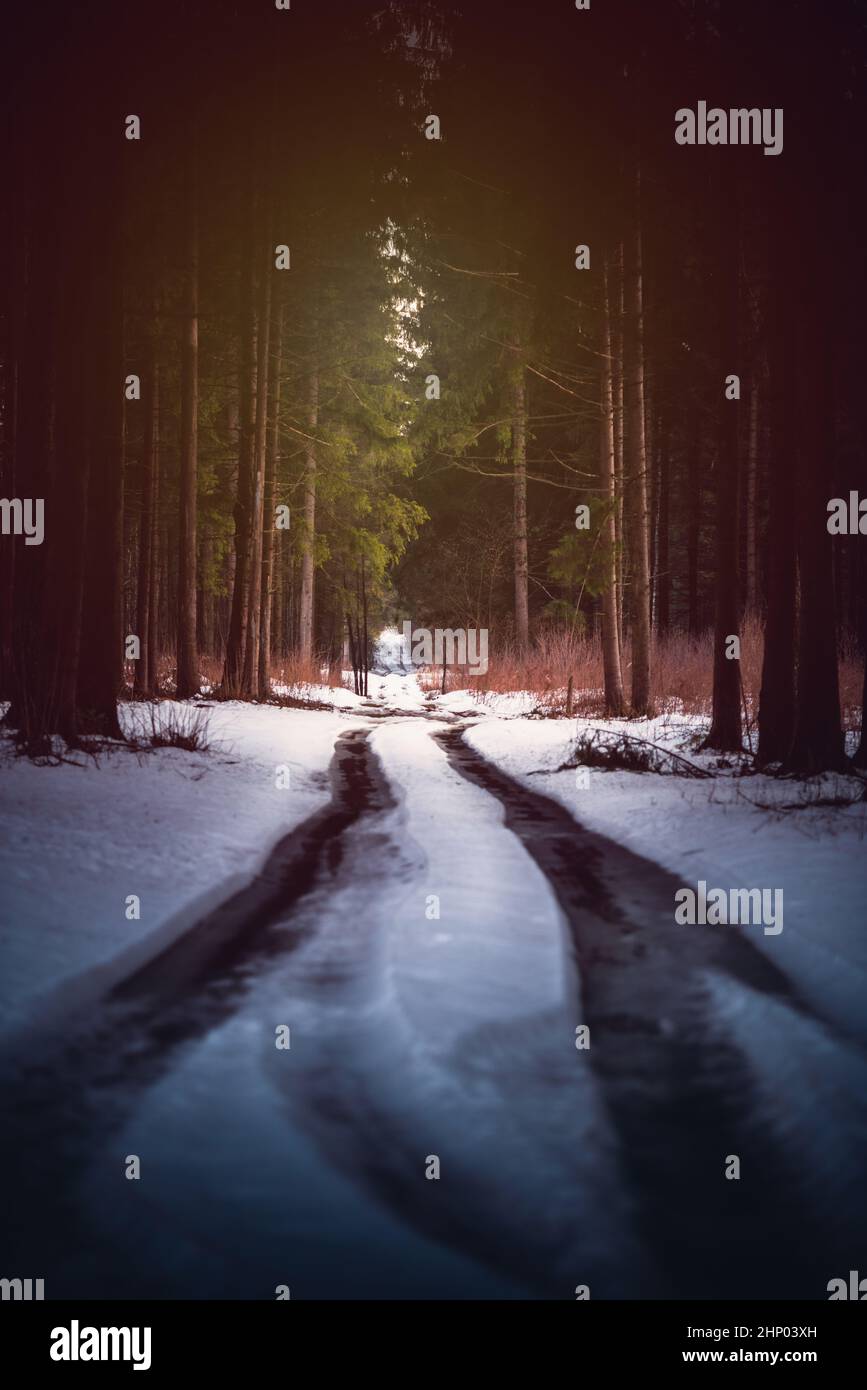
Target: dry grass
170, 725
681, 673
289, 672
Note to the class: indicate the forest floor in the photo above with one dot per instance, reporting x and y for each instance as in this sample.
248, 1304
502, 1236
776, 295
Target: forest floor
432, 898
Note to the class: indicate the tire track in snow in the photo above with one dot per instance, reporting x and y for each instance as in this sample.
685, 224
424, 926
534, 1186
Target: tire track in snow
678, 1088
455, 1037
357, 1080
681, 1091
61, 1090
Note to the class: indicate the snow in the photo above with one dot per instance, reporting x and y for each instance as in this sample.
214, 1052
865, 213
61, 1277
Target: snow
431, 988
237, 1199
499, 704
398, 690
810, 1088
183, 830
341, 697
180, 830
488, 999
412, 1036
712, 830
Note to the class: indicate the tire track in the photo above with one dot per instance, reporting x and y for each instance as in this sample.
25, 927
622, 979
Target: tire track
680, 1092
60, 1090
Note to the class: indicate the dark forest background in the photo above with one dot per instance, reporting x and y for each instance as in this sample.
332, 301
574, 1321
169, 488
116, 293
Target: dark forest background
422, 375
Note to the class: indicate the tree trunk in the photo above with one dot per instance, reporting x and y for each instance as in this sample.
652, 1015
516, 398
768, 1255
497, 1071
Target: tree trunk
614, 701
618, 298
860, 758
28, 471
663, 549
818, 744
235, 642
635, 459
67, 310
694, 462
187, 654
269, 591
11, 371
254, 605
143, 682
519, 468
777, 698
652, 492
102, 645
365, 650
205, 633
308, 535
154, 582
725, 733
278, 619
353, 648
165, 630
751, 479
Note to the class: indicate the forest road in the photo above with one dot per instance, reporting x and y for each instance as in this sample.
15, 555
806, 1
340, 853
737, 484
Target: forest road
428, 944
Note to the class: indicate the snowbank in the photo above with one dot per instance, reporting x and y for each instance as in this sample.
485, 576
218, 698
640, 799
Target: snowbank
713, 830
179, 830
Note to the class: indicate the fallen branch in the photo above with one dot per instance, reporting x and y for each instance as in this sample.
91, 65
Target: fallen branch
626, 753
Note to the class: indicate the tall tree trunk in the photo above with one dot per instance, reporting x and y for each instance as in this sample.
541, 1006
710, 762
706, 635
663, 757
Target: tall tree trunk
269, 591
663, 548
164, 630
102, 645
725, 733
519, 470
57, 709
652, 474
235, 642
635, 457
694, 461
254, 606
144, 680
15, 308
187, 654
308, 534
618, 299
278, 618
49, 579
818, 744
34, 290
751, 480
859, 623
860, 758
205, 627
614, 701
67, 308
155, 581
365, 639
353, 646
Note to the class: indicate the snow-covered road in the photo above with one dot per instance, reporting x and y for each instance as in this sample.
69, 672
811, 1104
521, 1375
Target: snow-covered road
431, 935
